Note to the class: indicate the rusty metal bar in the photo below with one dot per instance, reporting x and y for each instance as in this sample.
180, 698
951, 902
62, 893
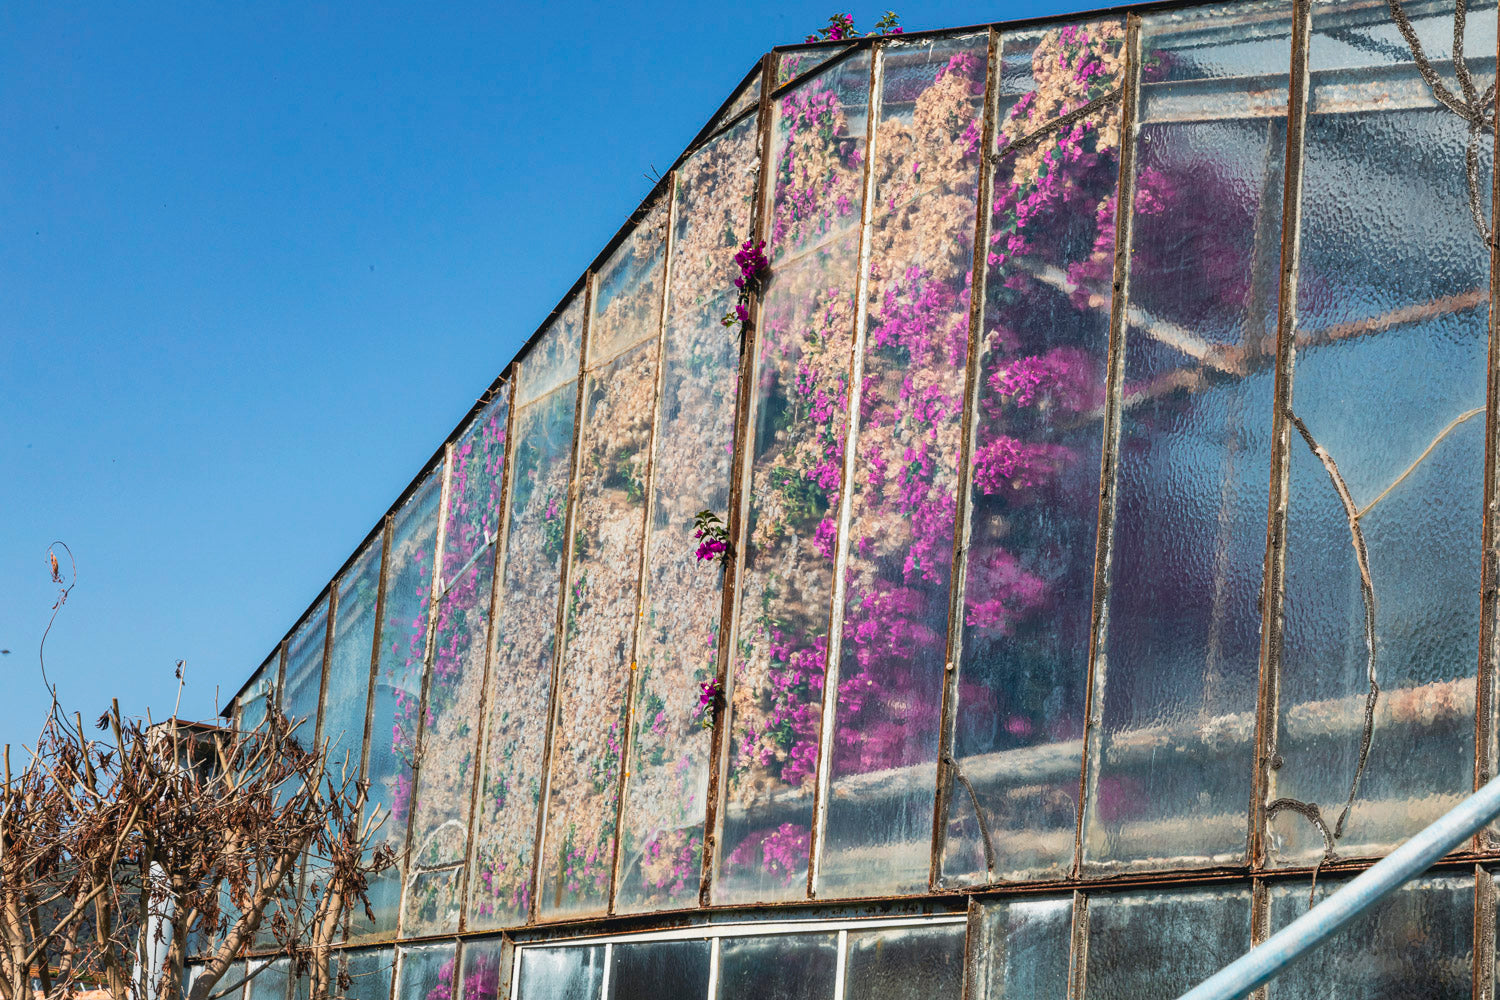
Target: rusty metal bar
1274, 578
963, 512
1078, 951
1093, 712
741, 466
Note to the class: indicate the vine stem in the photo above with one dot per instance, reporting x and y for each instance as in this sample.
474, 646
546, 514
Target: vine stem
1461, 418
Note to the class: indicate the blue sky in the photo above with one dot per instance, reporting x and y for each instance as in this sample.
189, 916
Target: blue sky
257, 260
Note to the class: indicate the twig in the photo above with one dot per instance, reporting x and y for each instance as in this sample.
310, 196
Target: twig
984, 827
1466, 415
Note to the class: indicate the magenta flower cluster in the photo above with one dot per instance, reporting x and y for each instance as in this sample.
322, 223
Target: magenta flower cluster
840, 28
713, 537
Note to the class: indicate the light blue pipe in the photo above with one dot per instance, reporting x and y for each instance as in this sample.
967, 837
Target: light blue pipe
1305, 933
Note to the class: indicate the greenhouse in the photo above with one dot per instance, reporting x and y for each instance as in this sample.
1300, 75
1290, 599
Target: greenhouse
1011, 514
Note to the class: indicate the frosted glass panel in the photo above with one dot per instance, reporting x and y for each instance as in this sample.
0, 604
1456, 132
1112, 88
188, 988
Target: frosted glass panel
1417, 942
398, 691
906, 963
1390, 387
561, 973
346, 689
425, 973
476, 474
525, 630
797, 452
1163, 943
905, 489
599, 618
1182, 651
660, 970
666, 782
783, 967
1018, 724
1022, 948
370, 971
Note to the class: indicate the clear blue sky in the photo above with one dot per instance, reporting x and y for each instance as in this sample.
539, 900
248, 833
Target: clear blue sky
257, 260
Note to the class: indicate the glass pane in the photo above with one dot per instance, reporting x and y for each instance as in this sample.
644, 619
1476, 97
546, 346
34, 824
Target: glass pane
906, 963
677, 650
426, 972
1383, 294
235, 974
484, 969
370, 971
790, 65
304, 674
1182, 652
747, 97
661, 970
905, 496
1022, 950
599, 624
398, 690
1034, 492
799, 412
778, 967
1417, 942
476, 473
561, 973
271, 980
1163, 943
628, 290
520, 690
450, 741
346, 690
251, 705
553, 360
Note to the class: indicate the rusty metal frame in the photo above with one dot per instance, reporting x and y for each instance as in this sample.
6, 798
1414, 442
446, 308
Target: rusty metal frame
855, 391
554, 707
633, 680
1486, 750
741, 467
963, 512
1096, 673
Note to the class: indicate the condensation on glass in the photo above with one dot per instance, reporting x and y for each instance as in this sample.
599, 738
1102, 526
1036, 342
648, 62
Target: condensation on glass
604, 565
1176, 683
889, 669
1387, 401
795, 470
677, 647
1036, 432
518, 703
1021, 949
1163, 943
391, 754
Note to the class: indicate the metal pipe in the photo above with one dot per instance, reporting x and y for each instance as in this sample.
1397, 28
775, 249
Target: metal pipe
1305, 933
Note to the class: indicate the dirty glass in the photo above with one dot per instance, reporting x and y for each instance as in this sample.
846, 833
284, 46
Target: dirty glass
905, 963
272, 979
449, 745
370, 971
747, 97
1163, 943
398, 691
553, 360
250, 708
798, 421
894, 641
525, 630
560, 973
1387, 447
1417, 942
476, 474
661, 970
600, 612
1034, 479
304, 674
790, 65
346, 689
1021, 950
778, 967
677, 648
1175, 755
485, 972
425, 972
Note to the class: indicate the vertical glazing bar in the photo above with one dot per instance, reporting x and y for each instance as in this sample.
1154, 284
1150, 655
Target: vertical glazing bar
1485, 749
640, 576
713, 968
974, 926
609, 954
1078, 958
553, 708
502, 525
738, 498
1093, 710
1263, 788
841, 967
328, 618
1484, 934
827, 727
364, 745
962, 521
1260, 921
